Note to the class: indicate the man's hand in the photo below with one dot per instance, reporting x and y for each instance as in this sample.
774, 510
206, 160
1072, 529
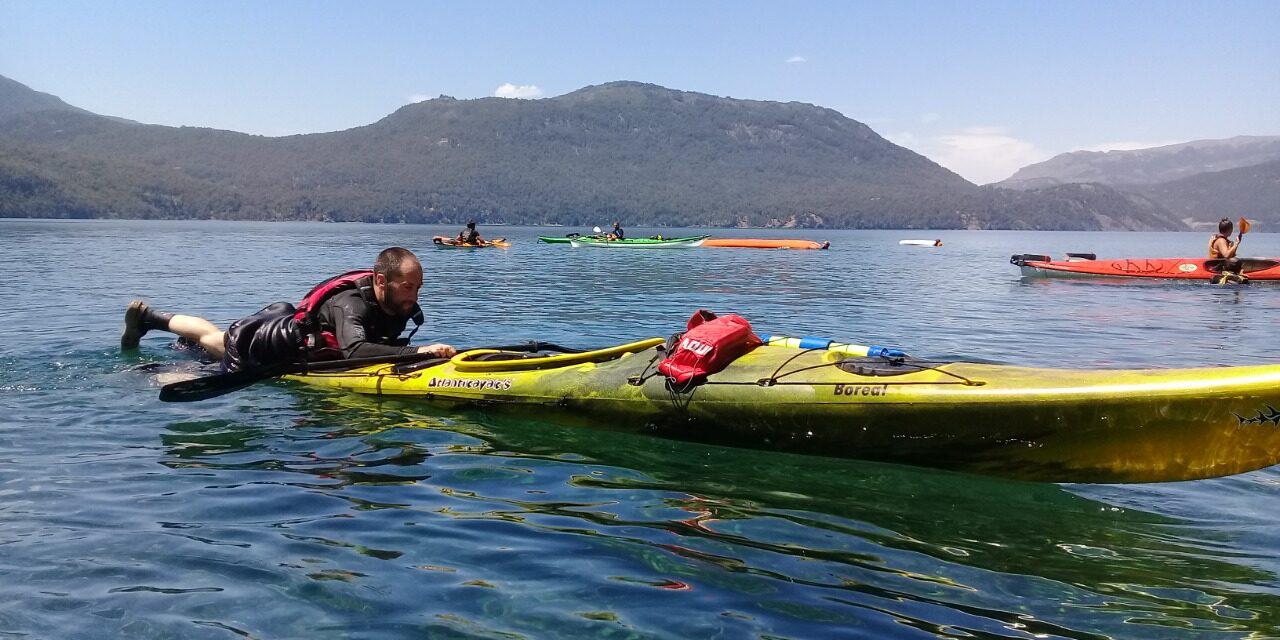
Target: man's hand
438, 350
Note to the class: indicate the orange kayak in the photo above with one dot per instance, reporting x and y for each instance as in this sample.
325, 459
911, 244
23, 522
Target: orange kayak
442, 242
765, 243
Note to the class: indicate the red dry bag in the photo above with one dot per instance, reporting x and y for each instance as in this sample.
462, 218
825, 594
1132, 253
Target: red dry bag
708, 346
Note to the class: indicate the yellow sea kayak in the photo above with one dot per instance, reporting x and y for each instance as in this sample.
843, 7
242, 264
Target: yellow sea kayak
1054, 425
442, 242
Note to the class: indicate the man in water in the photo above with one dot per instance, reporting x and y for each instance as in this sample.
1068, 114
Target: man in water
359, 314
469, 235
1220, 246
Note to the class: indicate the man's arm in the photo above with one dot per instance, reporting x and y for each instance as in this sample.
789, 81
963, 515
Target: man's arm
349, 329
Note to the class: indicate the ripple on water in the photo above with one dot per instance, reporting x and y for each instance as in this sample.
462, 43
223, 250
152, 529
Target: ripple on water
281, 512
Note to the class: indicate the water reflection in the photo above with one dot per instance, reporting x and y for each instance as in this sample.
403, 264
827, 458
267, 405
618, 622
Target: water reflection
790, 543
280, 512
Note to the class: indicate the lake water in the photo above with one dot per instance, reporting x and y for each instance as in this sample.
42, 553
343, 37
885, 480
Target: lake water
283, 512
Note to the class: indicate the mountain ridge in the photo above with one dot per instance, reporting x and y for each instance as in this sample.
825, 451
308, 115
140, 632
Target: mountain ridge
1252, 191
16, 98
626, 149
1152, 165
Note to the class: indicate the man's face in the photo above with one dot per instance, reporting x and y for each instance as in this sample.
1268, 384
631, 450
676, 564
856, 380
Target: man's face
402, 289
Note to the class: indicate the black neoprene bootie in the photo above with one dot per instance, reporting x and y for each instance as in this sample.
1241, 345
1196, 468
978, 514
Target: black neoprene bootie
138, 320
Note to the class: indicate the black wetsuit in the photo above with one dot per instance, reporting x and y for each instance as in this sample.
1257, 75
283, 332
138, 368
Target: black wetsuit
266, 338
619, 233
469, 236
363, 329
271, 336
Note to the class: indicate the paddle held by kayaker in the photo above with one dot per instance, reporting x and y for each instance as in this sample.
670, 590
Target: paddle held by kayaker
359, 314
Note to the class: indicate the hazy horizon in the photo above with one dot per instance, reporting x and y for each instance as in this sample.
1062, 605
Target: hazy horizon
983, 89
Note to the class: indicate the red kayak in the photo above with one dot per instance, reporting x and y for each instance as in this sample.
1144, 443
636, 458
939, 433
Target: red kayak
1087, 265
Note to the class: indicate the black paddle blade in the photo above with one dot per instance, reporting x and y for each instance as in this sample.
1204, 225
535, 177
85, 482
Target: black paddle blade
206, 387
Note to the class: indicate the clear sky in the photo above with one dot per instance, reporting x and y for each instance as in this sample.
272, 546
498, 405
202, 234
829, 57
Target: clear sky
980, 87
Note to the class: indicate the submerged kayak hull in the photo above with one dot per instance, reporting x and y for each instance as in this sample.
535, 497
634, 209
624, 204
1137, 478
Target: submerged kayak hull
1039, 424
640, 243
1037, 266
764, 243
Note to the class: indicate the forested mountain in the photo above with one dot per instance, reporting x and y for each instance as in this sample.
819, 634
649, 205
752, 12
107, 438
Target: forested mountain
1147, 166
1252, 192
1196, 182
640, 152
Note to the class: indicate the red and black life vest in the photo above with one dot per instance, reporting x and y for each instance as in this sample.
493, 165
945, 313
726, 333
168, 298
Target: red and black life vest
319, 341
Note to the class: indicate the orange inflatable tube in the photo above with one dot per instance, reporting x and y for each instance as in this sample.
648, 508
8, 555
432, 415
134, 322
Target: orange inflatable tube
765, 243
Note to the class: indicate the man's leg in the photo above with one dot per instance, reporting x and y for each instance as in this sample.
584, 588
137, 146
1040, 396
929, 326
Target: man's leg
199, 331
139, 319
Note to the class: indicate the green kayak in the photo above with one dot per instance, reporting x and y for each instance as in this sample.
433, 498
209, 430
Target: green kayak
565, 239
640, 243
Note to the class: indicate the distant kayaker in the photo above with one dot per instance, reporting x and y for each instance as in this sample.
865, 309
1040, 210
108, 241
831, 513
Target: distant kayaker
1220, 246
469, 235
617, 233
359, 314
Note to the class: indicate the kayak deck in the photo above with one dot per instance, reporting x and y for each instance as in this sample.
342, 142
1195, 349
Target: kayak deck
442, 242
1040, 424
1041, 266
640, 243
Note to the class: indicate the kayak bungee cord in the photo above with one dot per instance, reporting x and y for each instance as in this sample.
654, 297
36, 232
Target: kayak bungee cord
894, 357
681, 397
644, 376
919, 365
775, 379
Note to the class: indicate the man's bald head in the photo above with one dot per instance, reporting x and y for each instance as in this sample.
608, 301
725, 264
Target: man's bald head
397, 277
394, 262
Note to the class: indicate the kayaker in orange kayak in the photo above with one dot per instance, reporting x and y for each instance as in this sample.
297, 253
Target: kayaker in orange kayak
469, 235
1220, 246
